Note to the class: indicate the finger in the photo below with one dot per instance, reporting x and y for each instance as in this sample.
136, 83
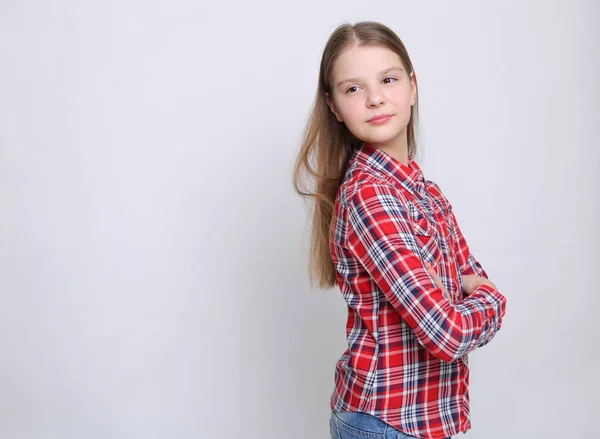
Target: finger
436, 279
433, 274
430, 268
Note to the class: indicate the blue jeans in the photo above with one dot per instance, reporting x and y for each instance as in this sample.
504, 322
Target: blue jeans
359, 425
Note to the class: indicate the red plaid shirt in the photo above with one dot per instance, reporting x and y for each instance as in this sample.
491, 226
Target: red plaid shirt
406, 361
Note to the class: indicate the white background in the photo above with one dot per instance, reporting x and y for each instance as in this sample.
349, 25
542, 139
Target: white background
153, 253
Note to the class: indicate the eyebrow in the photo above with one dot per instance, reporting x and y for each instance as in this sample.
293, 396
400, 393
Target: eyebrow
383, 72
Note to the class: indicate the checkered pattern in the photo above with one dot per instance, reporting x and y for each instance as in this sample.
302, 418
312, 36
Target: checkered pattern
406, 361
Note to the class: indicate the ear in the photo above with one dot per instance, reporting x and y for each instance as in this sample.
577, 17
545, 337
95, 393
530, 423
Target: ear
332, 107
413, 89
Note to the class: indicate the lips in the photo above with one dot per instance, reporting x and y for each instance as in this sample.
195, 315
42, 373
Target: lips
379, 117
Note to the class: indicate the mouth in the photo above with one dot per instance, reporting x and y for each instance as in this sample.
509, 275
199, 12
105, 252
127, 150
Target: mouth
379, 119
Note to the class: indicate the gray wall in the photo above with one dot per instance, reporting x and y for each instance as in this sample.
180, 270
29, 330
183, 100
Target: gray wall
152, 251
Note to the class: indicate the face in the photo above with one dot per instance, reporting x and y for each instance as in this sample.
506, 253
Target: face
369, 82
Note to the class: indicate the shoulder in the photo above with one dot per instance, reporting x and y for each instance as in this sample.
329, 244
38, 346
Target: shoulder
364, 185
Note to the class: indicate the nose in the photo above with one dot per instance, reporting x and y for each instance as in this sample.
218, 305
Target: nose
375, 97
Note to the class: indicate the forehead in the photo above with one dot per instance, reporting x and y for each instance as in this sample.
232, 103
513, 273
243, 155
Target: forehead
364, 61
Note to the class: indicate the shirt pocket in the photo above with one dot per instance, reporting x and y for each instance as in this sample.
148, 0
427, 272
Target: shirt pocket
427, 239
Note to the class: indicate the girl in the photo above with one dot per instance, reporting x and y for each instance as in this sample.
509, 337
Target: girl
418, 301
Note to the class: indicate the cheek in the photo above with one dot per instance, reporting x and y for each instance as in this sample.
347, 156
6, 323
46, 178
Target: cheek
400, 96
352, 111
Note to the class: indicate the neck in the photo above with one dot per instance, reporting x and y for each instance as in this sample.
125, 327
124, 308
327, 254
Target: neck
398, 150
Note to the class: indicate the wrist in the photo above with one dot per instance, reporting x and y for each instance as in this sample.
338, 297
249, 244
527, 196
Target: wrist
489, 283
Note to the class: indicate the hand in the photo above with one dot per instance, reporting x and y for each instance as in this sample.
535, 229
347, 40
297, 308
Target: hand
471, 282
436, 279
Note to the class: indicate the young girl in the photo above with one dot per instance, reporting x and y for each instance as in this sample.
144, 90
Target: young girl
418, 301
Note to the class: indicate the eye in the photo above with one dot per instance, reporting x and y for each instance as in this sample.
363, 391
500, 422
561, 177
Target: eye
389, 77
350, 89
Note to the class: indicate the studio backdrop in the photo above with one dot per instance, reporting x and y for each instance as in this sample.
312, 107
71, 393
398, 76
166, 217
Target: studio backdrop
153, 252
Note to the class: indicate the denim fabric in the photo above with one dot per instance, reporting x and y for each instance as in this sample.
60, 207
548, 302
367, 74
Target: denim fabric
359, 425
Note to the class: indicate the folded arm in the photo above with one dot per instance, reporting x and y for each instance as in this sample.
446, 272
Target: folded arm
381, 237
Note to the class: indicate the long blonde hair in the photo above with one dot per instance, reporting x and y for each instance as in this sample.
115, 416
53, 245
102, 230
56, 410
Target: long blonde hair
327, 144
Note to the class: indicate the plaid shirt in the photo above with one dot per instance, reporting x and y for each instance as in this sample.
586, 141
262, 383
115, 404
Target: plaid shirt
406, 361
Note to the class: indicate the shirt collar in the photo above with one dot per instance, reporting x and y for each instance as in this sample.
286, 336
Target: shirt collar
410, 177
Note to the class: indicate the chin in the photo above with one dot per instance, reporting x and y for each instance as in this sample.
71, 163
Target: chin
384, 137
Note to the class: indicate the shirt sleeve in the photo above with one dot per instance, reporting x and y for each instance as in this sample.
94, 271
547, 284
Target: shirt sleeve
381, 236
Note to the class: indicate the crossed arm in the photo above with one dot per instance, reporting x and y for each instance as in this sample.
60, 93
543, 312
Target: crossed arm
381, 237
